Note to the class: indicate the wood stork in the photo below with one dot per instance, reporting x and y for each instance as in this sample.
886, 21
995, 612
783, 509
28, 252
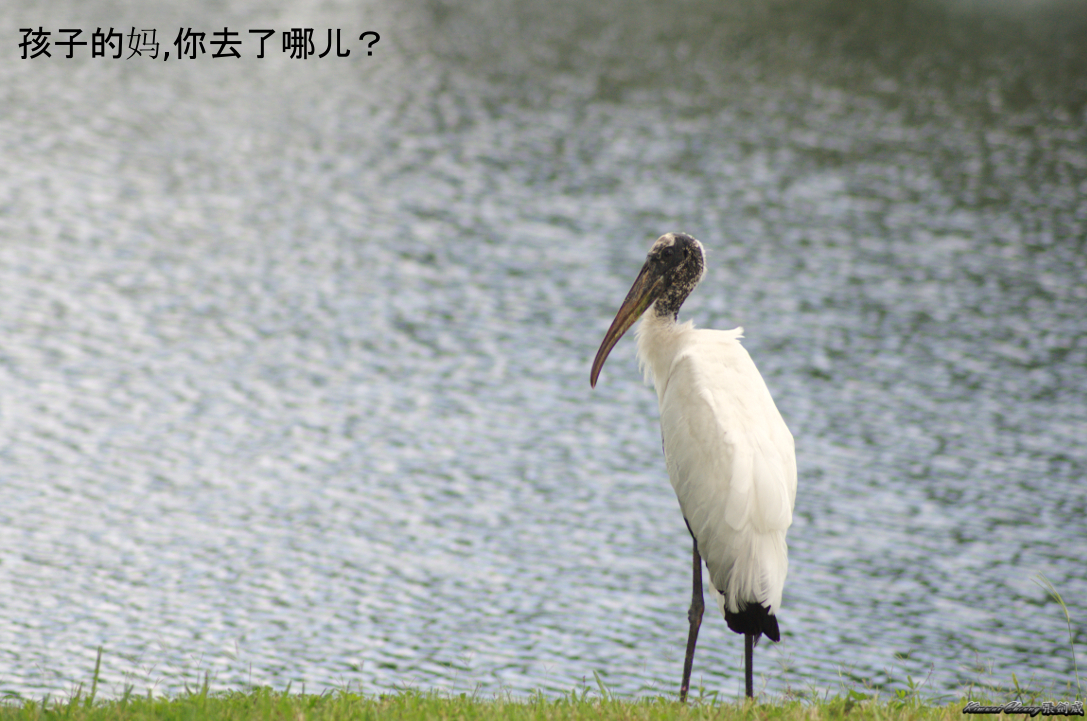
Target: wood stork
729, 454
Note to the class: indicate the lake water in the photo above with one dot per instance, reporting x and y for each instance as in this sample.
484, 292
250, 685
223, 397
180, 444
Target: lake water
294, 354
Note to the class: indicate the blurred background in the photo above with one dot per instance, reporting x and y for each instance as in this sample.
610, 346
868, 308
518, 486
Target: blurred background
294, 354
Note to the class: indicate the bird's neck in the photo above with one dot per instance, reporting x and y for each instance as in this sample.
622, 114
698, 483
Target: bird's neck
667, 306
657, 335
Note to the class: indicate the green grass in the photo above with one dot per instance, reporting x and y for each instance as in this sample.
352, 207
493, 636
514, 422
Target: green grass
586, 703
269, 704
903, 704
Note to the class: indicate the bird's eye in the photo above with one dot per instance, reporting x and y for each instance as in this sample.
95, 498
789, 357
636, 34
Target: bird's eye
686, 252
666, 253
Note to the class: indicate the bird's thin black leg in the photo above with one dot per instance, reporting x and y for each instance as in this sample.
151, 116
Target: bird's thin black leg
749, 646
694, 615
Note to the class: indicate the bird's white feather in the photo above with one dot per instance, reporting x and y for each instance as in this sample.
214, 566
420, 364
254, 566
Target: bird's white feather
729, 454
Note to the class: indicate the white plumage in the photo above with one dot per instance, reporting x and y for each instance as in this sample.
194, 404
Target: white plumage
729, 454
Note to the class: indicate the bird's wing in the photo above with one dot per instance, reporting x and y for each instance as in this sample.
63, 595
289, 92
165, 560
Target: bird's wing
731, 462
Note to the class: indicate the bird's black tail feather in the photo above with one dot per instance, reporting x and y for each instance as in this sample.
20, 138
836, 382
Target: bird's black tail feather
756, 619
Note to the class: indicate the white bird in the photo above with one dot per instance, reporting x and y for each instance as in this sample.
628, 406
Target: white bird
728, 451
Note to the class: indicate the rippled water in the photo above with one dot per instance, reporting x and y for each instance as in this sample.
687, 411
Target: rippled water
294, 354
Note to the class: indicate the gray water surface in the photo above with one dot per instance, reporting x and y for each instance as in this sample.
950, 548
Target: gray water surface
294, 355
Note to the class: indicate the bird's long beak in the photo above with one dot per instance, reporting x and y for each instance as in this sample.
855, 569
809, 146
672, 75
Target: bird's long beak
646, 289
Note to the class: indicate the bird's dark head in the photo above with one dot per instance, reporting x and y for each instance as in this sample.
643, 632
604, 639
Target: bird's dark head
675, 264
679, 261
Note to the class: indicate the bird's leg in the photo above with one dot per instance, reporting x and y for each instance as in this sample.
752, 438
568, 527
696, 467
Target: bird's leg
749, 646
694, 615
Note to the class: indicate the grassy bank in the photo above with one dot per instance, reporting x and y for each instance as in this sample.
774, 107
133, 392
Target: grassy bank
264, 703
268, 704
